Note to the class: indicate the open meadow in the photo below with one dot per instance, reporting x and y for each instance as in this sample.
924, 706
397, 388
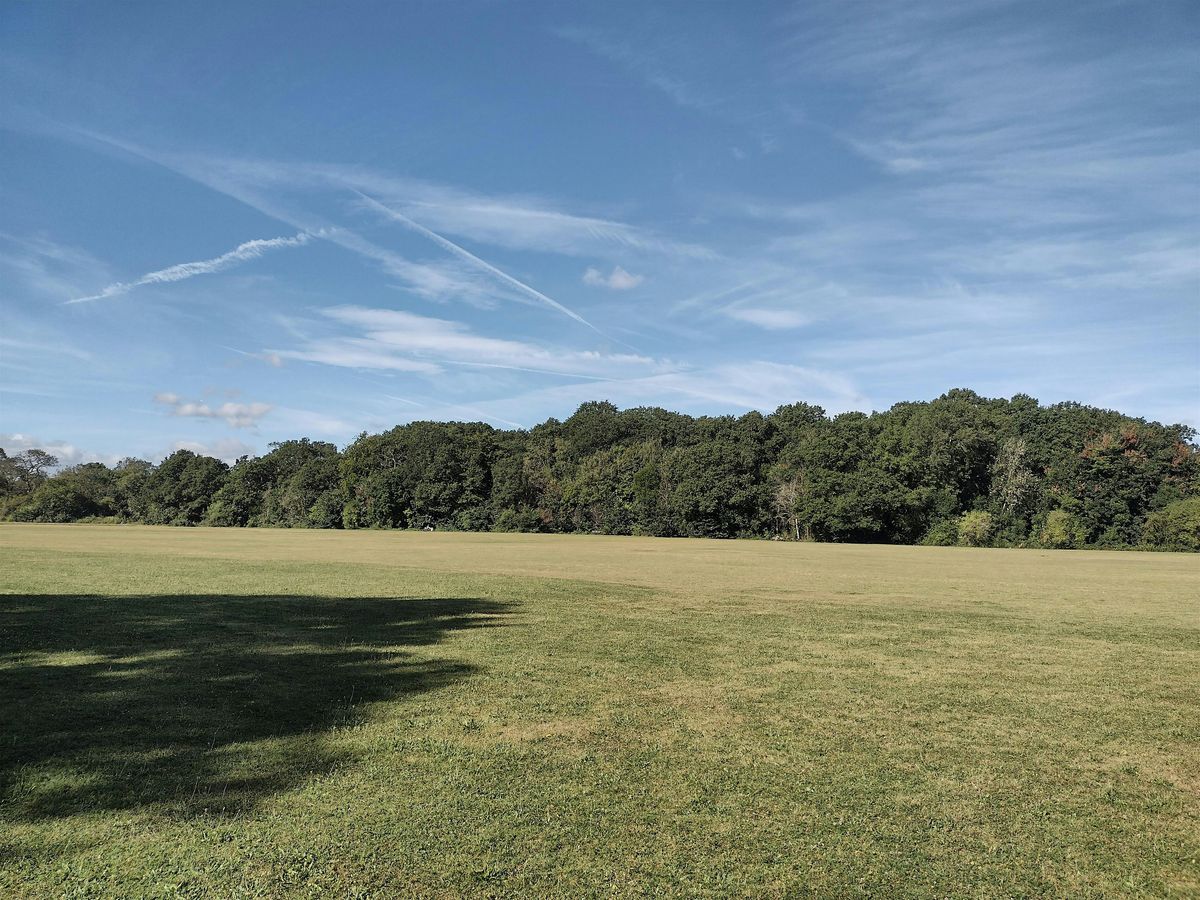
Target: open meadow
244, 713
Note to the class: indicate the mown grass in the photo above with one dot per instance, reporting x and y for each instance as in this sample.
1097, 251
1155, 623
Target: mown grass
269, 713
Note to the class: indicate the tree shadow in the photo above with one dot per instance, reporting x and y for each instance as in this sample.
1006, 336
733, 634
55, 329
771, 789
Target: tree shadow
195, 704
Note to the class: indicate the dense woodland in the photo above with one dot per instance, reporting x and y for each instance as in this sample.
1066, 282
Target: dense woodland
961, 469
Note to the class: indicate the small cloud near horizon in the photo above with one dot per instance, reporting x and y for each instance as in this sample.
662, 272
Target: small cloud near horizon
236, 415
618, 279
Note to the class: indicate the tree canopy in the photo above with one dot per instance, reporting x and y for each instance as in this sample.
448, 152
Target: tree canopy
959, 469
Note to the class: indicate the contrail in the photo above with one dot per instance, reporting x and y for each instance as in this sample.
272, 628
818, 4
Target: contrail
183, 271
470, 257
341, 236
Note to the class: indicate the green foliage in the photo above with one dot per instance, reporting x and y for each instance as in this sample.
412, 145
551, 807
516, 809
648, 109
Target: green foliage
1014, 486
55, 501
180, 489
22, 473
906, 475
942, 534
975, 528
326, 511
1062, 531
1119, 474
423, 474
80, 492
518, 520
1175, 527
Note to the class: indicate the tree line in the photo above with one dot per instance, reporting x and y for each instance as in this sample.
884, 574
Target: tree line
961, 469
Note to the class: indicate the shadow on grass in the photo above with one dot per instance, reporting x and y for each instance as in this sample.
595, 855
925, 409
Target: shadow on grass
199, 704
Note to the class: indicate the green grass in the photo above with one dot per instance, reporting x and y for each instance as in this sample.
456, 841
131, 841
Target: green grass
270, 713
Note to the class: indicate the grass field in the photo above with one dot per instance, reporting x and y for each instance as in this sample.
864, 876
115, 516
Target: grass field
270, 713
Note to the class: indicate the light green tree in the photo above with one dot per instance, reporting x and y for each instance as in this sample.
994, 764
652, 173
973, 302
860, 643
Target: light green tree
1062, 531
975, 528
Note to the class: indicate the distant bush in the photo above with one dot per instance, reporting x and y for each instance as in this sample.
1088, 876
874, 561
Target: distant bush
1174, 527
942, 534
56, 501
1062, 531
221, 513
975, 528
326, 512
517, 520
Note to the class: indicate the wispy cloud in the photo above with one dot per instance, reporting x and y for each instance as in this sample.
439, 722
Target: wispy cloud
761, 385
45, 268
618, 279
750, 385
236, 415
393, 340
40, 348
697, 63
647, 65
271, 359
474, 260
518, 222
991, 194
1026, 169
429, 280
977, 96
252, 182
769, 318
182, 271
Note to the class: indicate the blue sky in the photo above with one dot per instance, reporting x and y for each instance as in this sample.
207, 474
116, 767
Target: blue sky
223, 225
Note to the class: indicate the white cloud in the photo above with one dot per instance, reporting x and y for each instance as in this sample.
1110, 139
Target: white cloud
520, 223
618, 279
71, 455
241, 253
68, 454
236, 415
402, 341
769, 318
357, 353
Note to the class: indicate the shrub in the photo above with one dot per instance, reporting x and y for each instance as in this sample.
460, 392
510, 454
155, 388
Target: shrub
326, 512
220, 512
1062, 531
57, 500
518, 520
942, 534
975, 528
1175, 526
